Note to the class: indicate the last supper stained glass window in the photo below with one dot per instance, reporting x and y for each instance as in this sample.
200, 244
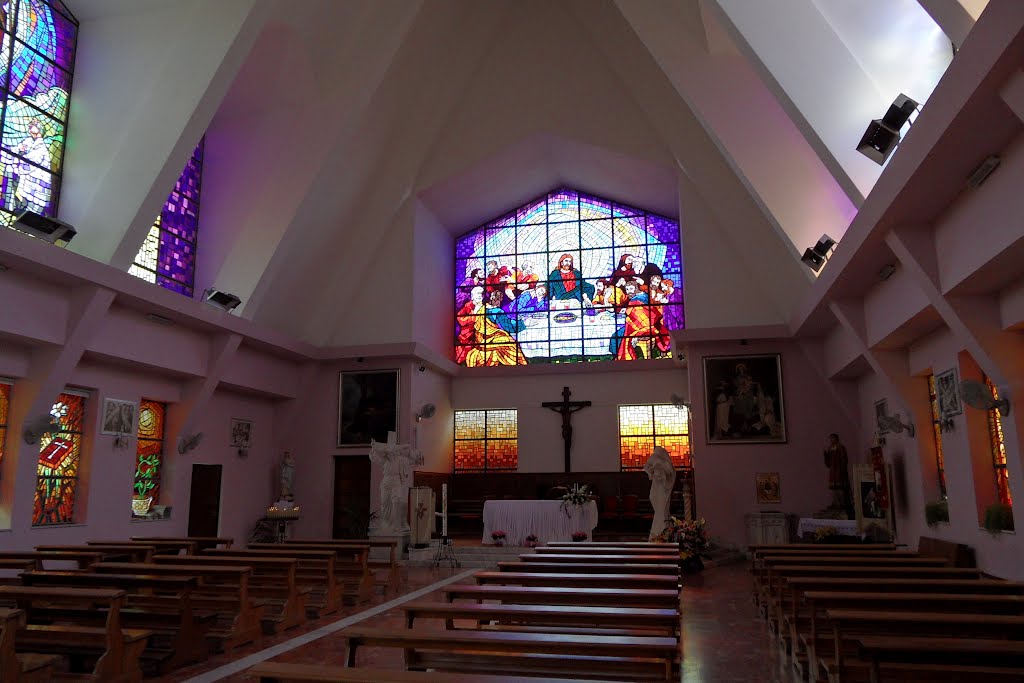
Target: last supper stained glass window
59, 459
568, 277
36, 63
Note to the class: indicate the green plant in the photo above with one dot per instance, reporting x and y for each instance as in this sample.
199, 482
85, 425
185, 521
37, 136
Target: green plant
998, 517
691, 535
935, 512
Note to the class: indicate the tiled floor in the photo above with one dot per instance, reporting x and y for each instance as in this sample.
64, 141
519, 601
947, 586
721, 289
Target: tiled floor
723, 640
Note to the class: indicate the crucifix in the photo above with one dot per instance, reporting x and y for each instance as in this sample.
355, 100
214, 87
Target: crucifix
566, 408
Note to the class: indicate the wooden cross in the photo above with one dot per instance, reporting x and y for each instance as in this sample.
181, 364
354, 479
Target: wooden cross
566, 408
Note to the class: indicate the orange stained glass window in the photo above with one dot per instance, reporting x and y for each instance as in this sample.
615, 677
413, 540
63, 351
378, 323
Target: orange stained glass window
486, 440
59, 458
642, 427
5, 401
995, 436
149, 451
933, 402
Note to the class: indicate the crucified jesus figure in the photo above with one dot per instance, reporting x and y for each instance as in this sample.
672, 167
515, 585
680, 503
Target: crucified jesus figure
566, 408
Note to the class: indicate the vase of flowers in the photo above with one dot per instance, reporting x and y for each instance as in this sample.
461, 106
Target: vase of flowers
692, 538
498, 537
575, 495
532, 541
579, 536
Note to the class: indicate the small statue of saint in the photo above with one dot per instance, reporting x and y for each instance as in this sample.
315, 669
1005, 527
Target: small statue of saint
662, 474
837, 463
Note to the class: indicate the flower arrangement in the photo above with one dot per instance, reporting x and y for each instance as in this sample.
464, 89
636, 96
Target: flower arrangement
691, 535
577, 494
499, 537
825, 533
579, 536
532, 541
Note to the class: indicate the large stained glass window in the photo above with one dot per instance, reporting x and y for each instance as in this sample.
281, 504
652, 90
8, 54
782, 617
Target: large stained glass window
168, 256
486, 440
5, 410
567, 278
36, 63
940, 465
643, 427
995, 436
149, 451
59, 459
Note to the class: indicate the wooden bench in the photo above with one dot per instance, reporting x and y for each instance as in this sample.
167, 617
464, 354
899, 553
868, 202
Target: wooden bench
81, 558
660, 621
608, 544
274, 582
115, 650
23, 668
591, 549
201, 542
132, 552
590, 567
223, 590
273, 672
392, 576
351, 568
161, 604
560, 595
882, 652
622, 657
578, 580
958, 554
162, 546
602, 558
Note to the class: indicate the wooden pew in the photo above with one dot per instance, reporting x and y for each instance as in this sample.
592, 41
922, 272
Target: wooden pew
592, 549
133, 552
624, 657
81, 558
178, 633
20, 668
561, 595
923, 652
603, 558
223, 590
608, 544
590, 567
314, 575
351, 569
115, 649
659, 621
577, 580
392, 575
274, 672
273, 580
818, 547
162, 546
201, 542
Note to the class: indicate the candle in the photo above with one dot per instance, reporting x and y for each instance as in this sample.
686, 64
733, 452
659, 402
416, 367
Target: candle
444, 510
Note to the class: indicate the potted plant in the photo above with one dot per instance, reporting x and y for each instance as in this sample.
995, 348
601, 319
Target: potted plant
498, 537
693, 541
142, 498
935, 512
579, 536
532, 541
998, 517
575, 495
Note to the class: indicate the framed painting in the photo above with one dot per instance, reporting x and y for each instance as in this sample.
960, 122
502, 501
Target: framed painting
881, 410
743, 399
367, 406
868, 499
119, 417
241, 433
768, 490
947, 392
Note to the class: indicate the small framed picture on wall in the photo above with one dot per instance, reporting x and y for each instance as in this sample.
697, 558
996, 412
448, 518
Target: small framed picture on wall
119, 417
768, 490
947, 393
241, 433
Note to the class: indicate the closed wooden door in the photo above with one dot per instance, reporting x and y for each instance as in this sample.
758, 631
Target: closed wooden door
351, 496
204, 501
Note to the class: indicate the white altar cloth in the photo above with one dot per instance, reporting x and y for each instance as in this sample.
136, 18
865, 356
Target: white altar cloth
542, 518
844, 527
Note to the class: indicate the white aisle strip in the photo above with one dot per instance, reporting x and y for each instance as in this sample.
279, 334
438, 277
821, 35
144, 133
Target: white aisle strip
306, 638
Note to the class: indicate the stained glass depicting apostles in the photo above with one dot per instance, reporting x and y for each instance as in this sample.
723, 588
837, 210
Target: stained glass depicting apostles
59, 460
36, 62
567, 278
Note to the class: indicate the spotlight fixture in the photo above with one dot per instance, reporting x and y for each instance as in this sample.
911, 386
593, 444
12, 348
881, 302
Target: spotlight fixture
221, 300
886, 271
45, 228
423, 368
816, 256
882, 135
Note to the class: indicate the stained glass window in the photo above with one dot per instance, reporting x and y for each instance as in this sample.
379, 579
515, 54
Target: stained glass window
168, 256
149, 451
36, 62
59, 458
486, 440
643, 427
933, 401
995, 436
5, 408
566, 278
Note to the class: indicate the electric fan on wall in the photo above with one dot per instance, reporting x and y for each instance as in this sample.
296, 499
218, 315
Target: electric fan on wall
978, 396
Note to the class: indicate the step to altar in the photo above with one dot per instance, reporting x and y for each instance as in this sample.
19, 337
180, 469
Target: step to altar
467, 555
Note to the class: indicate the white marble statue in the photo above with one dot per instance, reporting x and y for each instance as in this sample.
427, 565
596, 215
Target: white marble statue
663, 477
396, 462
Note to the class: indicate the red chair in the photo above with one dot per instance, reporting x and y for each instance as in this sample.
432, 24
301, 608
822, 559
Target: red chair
610, 505
629, 503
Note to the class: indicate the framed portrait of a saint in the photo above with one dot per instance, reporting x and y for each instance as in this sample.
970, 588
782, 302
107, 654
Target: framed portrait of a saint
947, 393
743, 399
367, 406
768, 490
872, 497
119, 417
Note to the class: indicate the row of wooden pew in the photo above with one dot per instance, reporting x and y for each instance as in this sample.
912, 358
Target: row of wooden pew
119, 608
566, 612
871, 612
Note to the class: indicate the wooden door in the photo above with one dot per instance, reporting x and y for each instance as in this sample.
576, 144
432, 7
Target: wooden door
204, 501
351, 496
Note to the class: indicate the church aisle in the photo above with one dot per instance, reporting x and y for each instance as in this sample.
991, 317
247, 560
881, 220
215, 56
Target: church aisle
723, 640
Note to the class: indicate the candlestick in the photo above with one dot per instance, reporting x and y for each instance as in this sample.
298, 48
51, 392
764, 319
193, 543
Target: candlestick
444, 510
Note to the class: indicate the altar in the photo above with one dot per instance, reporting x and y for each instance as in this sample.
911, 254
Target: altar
844, 527
545, 519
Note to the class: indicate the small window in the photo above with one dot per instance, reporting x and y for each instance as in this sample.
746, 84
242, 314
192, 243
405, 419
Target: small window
642, 427
149, 451
59, 459
995, 436
486, 441
5, 410
933, 401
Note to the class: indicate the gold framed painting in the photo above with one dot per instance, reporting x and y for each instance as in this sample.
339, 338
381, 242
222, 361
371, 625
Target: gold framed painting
768, 490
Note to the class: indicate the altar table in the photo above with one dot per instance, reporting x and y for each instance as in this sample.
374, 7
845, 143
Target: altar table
543, 518
843, 527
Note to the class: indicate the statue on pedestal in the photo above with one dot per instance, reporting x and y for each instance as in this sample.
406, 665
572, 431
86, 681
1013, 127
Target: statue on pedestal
662, 474
838, 476
396, 462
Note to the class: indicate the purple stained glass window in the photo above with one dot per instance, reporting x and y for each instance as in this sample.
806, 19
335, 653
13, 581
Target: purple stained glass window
568, 277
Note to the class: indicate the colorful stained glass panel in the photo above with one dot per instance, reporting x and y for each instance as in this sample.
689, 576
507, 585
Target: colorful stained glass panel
149, 450
998, 446
486, 440
642, 427
5, 402
933, 401
57, 469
